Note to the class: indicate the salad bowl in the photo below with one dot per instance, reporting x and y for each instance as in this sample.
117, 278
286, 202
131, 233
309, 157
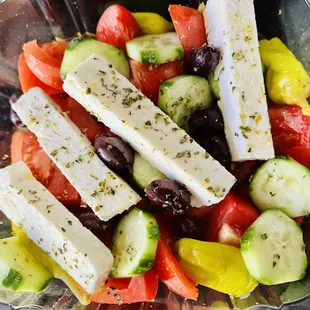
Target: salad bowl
44, 20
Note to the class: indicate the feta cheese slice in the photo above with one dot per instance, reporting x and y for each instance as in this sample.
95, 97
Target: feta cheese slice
123, 108
105, 192
231, 27
29, 205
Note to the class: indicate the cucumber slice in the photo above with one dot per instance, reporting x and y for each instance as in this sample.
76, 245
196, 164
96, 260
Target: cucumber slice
155, 49
284, 184
273, 249
214, 84
19, 271
80, 49
179, 97
144, 173
134, 244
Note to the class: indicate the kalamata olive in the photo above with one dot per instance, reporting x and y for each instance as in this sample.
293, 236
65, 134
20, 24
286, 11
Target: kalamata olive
185, 227
207, 120
217, 147
205, 60
16, 120
116, 153
92, 222
169, 194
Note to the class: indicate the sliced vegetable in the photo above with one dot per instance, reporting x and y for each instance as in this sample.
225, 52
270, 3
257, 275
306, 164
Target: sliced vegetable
214, 265
155, 49
134, 244
214, 84
284, 184
143, 74
287, 80
28, 80
144, 173
228, 220
290, 130
81, 48
189, 25
117, 26
25, 147
19, 271
169, 270
273, 249
179, 97
45, 67
152, 23
55, 49
126, 291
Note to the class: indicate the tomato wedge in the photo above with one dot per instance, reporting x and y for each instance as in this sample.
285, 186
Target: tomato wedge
232, 213
45, 67
127, 291
117, 26
169, 270
147, 77
25, 147
291, 132
56, 49
190, 27
28, 80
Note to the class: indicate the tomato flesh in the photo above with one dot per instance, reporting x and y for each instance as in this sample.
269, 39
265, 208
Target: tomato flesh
117, 26
45, 67
25, 147
28, 80
190, 27
126, 291
291, 132
169, 270
233, 211
147, 78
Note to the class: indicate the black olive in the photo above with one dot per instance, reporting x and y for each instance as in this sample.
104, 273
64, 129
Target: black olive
207, 120
204, 61
169, 194
185, 227
217, 147
16, 120
116, 153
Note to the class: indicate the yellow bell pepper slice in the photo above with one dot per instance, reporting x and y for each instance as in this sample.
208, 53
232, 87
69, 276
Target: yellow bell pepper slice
287, 80
214, 265
50, 265
152, 23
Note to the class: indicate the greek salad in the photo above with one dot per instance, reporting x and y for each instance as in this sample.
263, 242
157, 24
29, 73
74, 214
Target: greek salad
157, 151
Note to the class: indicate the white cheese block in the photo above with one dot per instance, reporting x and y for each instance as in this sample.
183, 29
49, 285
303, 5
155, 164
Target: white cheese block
29, 205
123, 108
105, 192
231, 27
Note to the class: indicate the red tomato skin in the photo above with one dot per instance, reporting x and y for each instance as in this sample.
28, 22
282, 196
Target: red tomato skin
25, 147
45, 67
138, 289
235, 212
190, 27
291, 132
117, 26
28, 80
147, 78
169, 270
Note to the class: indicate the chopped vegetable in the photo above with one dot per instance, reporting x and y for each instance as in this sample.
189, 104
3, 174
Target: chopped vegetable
284, 184
152, 23
287, 80
117, 26
217, 266
273, 249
